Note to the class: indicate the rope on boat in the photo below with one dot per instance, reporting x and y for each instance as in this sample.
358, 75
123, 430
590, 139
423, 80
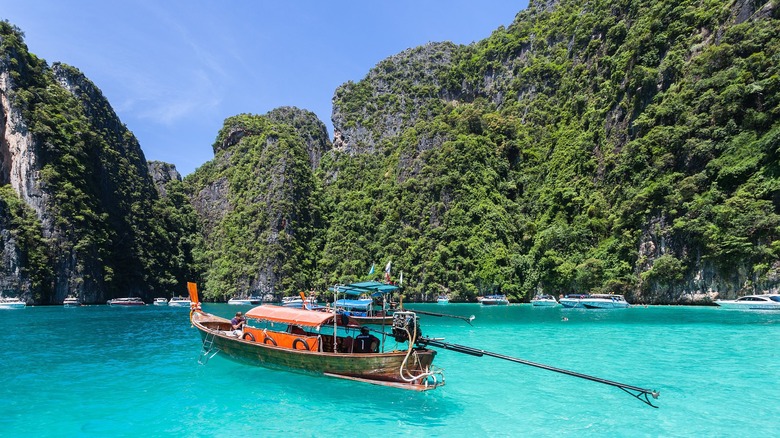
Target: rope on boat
640, 394
404, 371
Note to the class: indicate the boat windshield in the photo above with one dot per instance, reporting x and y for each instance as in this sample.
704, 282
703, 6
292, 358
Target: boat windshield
775, 298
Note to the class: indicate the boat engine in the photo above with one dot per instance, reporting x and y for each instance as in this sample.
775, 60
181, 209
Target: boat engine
406, 325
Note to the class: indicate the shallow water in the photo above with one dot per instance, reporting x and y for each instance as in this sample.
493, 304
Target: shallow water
107, 371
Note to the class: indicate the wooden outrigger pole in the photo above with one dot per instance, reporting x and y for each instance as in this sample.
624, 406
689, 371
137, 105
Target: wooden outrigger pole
640, 394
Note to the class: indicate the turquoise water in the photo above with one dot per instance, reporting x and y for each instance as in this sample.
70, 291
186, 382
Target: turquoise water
107, 371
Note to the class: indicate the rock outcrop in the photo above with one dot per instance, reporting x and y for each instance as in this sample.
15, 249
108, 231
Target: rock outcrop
162, 174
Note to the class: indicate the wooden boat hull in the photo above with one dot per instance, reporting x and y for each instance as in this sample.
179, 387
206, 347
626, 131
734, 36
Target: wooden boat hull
376, 368
371, 320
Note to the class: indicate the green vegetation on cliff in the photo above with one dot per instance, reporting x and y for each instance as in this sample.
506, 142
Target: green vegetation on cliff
24, 238
625, 147
259, 207
620, 147
110, 234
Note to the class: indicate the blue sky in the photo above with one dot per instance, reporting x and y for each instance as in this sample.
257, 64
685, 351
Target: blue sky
173, 70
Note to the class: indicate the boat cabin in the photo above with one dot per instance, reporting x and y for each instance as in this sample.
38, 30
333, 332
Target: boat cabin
297, 329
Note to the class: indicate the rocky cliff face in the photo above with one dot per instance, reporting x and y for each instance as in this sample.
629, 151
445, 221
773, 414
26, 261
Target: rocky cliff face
19, 166
162, 174
256, 202
20, 169
394, 95
520, 91
67, 157
309, 127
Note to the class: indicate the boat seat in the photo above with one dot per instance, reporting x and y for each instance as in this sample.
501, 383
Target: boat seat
346, 344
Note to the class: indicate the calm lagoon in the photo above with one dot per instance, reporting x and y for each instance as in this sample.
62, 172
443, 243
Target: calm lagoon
107, 371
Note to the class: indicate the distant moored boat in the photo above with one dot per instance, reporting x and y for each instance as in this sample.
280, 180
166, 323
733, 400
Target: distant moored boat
752, 302
71, 301
11, 303
604, 301
251, 300
494, 300
179, 302
573, 300
126, 302
544, 300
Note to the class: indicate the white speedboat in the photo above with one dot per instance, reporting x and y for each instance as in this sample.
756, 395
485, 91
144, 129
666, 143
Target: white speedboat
12, 303
126, 302
494, 300
571, 301
160, 302
298, 302
604, 301
249, 301
179, 302
544, 300
71, 301
443, 299
752, 302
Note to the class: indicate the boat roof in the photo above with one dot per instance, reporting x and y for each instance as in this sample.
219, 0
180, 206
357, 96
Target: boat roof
374, 288
290, 315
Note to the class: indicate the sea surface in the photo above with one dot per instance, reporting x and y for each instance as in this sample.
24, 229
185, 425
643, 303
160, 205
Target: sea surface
107, 371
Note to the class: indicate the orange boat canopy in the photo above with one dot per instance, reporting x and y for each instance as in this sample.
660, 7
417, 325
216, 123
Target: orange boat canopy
290, 315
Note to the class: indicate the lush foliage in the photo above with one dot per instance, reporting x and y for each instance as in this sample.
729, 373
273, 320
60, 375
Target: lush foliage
625, 146
24, 230
263, 235
600, 146
111, 235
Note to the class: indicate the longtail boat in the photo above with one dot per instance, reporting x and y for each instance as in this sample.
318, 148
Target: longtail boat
313, 342
316, 343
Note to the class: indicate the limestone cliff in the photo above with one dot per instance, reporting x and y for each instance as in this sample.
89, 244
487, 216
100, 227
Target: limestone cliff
162, 174
67, 157
589, 146
605, 130
257, 203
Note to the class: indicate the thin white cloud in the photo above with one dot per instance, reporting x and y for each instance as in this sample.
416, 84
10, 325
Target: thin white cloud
166, 103
180, 80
